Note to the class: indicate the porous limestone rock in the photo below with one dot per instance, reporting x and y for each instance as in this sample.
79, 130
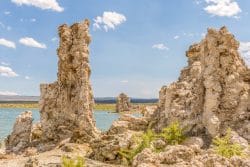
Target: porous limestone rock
36, 132
122, 103
66, 106
212, 92
179, 155
19, 139
120, 136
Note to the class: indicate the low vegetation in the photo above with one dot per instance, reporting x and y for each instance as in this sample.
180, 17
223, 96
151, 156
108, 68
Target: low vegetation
142, 142
224, 147
69, 162
19, 105
104, 107
173, 134
97, 107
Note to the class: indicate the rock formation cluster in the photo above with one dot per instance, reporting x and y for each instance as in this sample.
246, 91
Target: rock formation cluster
212, 93
211, 96
66, 106
123, 103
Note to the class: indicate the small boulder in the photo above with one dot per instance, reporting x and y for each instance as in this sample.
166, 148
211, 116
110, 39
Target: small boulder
194, 141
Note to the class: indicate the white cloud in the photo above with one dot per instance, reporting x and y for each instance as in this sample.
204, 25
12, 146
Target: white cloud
27, 77
2, 25
228, 8
197, 2
33, 20
7, 72
5, 64
7, 93
5, 27
109, 20
160, 46
8, 28
176, 37
244, 50
54, 39
124, 81
7, 43
42, 4
27, 41
28, 20
7, 12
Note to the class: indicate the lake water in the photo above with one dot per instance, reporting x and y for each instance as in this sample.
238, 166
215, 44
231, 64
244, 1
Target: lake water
8, 116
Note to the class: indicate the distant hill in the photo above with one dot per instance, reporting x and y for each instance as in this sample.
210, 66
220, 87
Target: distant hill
133, 100
4, 99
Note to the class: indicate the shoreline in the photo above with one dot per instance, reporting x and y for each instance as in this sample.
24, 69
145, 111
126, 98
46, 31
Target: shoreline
99, 107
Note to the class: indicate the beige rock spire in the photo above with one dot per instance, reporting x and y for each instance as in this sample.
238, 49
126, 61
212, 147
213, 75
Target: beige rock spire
122, 103
213, 91
66, 106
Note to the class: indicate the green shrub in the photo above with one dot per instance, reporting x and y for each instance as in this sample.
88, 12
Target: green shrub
69, 162
145, 141
173, 134
224, 147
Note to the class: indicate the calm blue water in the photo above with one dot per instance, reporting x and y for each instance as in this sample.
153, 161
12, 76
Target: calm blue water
8, 116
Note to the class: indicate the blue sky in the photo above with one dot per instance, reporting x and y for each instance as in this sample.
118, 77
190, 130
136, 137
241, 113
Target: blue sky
138, 47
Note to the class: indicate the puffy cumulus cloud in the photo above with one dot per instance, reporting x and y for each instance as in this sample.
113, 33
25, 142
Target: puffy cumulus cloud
124, 81
8, 93
228, 8
54, 39
4, 63
28, 20
160, 46
42, 4
176, 37
27, 41
7, 12
7, 72
27, 77
7, 43
5, 26
244, 50
109, 20
33, 20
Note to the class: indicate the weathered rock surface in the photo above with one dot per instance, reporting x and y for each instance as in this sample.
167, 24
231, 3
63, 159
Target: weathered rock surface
19, 139
66, 106
119, 136
36, 133
212, 92
122, 103
180, 155
52, 158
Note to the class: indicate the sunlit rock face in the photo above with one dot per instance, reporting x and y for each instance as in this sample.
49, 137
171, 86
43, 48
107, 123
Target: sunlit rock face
66, 106
212, 92
19, 139
123, 103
